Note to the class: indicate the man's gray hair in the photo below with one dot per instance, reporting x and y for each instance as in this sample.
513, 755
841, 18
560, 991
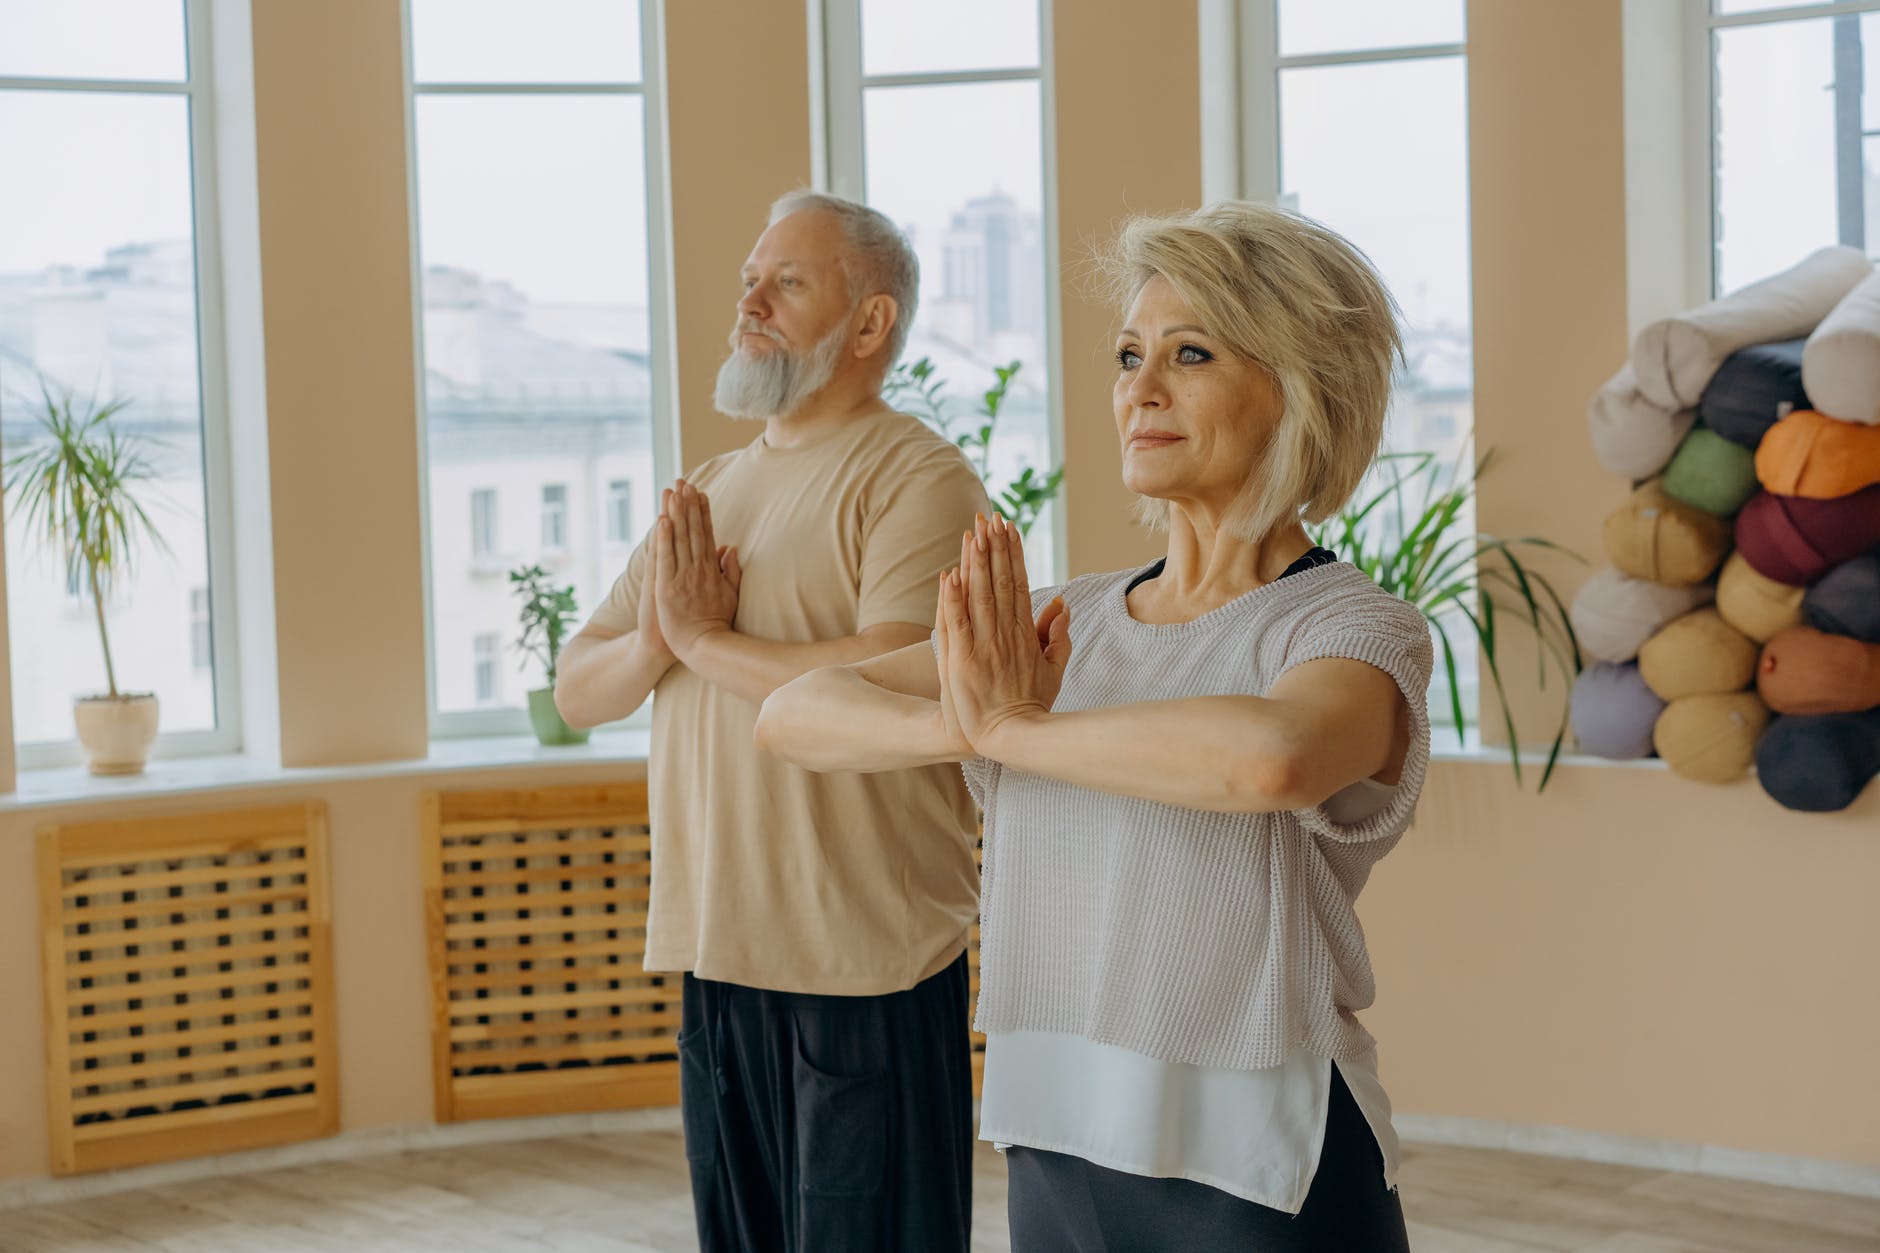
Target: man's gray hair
879, 259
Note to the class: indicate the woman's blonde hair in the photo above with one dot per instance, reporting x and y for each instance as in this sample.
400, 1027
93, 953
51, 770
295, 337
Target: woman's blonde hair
1306, 306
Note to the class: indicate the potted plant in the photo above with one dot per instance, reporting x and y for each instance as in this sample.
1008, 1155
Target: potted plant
1406, 535
918, 388
76, 490
547, 614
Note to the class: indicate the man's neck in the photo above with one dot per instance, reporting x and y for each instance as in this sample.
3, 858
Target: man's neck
823, 414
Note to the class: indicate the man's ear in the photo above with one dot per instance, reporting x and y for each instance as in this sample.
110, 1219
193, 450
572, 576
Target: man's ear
878, 314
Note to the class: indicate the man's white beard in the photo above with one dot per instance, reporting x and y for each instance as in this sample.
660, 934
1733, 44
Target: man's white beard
775, 383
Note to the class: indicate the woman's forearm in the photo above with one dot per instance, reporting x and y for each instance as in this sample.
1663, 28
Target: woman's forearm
1234, 754
834, 719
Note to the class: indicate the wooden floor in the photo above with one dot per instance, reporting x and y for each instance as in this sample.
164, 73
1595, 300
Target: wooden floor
626, 1193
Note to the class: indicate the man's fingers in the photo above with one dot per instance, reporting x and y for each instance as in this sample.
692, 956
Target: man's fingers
701, 512
681, 531
663, 552
733, 571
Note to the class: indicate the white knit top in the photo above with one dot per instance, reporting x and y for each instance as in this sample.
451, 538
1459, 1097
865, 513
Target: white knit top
1213, 939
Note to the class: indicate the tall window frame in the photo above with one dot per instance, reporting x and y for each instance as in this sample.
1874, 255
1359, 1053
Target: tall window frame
839, 158
1705, 238
650, 89
197, 89
1242, 67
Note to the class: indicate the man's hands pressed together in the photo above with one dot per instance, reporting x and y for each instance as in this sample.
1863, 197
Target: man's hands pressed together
692, 579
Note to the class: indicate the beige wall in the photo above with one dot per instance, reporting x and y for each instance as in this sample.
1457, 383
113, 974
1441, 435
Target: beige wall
6, 696
1121, 149
738, 113
1628, 953
341, 380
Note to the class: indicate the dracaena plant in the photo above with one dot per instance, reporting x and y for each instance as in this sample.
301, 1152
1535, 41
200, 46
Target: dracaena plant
1406, 528
918, 388
547, 614
78, 490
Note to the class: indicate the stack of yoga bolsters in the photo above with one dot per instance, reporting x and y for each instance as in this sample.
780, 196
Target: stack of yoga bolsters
1739, 622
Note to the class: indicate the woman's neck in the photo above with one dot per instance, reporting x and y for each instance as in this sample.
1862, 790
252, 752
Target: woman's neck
1208, 566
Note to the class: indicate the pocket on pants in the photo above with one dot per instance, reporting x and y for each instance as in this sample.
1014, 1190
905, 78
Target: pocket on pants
841, 1130
698, 1098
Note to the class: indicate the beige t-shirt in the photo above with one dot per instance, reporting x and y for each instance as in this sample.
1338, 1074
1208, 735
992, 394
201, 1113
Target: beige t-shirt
765, 874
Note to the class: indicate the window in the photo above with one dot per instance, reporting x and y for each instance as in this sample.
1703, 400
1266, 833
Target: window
483, 522
485, 649
106, 293
201, 650
534, 134
1794, 135
935, 117
620, 529
555, 516
1355, 113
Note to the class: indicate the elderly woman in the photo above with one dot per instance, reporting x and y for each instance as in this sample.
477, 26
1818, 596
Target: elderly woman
1187, 773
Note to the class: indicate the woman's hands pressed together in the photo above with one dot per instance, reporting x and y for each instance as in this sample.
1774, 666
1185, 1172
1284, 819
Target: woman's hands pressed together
998, 667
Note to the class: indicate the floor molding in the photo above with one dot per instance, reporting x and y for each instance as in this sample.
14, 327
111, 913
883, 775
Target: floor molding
1789, 1172
1849, 1178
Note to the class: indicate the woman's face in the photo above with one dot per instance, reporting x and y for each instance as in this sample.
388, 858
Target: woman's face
1192, 417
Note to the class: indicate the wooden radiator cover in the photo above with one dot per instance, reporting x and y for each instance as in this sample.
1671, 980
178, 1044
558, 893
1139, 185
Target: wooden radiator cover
188, 985
535, 909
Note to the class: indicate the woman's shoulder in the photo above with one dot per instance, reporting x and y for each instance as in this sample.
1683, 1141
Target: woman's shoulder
1351, 605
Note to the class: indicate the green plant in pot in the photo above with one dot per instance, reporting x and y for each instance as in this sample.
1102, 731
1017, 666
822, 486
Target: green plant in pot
1405, 529
548, 614
917, 387
78, 491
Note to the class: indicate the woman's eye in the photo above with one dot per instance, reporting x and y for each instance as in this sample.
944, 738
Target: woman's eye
1191, 355
1127, 358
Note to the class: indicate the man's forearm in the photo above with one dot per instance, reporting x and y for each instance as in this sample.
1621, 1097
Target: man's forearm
606, 680
754, 668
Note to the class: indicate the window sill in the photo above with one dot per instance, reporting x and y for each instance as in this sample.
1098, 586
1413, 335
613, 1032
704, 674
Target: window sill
39, 789
1443, 748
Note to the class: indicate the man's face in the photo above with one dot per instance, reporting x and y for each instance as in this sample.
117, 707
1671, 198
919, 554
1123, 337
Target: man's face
794, 328
795, 289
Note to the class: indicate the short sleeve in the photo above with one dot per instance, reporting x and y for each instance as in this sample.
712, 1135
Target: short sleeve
620, 612
911, 535
1392, 635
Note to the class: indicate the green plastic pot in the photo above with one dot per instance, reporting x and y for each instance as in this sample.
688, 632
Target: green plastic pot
550, 728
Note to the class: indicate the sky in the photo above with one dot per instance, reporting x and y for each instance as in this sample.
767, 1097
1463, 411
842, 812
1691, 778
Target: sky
492, 172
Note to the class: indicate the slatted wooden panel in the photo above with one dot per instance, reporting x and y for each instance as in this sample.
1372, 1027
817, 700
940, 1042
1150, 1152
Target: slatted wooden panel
188, 985
535, 908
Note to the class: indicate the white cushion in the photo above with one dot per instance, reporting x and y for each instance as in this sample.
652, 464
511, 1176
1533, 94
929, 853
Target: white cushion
1841, 361
1675, 357
1613, 613
1633, 436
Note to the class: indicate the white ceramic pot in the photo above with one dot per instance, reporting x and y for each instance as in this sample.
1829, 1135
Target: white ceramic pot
117, 734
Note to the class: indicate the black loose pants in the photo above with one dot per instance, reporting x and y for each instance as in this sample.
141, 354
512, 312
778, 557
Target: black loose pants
829, 1124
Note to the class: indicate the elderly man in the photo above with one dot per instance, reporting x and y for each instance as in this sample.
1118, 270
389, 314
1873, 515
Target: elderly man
821, 919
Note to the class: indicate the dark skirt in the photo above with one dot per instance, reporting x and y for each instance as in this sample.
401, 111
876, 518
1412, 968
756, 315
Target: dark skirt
1063, 1204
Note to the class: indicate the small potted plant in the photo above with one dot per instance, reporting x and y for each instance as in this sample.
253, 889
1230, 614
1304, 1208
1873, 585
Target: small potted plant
77, 491
547, 613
